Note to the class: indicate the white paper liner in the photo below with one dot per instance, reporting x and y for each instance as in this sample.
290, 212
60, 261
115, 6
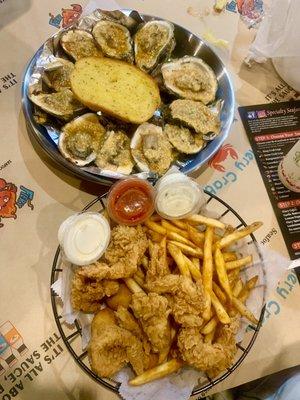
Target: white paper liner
180, 385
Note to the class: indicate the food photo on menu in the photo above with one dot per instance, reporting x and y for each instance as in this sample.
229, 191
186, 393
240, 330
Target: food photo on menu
163, 169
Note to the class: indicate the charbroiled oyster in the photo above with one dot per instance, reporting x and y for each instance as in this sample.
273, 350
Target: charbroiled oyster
114, 40
61, 104
151, 149
154, 42
183, 139
190, 78
114, 154
78, 44
57, 74
195, 115
81, 138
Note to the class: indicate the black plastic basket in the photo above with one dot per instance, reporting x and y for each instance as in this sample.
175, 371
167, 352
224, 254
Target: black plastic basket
71, 335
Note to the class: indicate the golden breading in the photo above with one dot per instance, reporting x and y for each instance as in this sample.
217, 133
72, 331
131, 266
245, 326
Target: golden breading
210, 358
185, 297
157, 266
86, 293
152, 310
114, 348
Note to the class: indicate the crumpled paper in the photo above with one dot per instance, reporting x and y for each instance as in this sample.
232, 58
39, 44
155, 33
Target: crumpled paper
181, 384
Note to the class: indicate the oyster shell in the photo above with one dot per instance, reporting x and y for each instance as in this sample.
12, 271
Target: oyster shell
183, 139
195, 115
81, 138
61, 104
57, 74
114, 40
153, 42
190, 78
151, 149
114, 154
78, 44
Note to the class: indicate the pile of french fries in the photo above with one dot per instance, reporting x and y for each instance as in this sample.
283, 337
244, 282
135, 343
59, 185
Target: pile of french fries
201, 255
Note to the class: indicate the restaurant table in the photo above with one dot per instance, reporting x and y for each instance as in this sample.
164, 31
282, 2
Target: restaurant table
36, 364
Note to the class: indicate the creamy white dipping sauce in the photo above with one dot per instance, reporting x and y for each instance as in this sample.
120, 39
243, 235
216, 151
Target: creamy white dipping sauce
84, 237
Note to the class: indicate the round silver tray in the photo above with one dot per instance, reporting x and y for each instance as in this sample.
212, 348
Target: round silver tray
186, 44
71, 334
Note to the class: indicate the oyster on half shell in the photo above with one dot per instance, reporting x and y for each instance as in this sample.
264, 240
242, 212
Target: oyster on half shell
57, 74
190, 78
153, 43
78, 43
81, 138
114, 40
195, 115
183, 139
151, 149
114, 154
61, 104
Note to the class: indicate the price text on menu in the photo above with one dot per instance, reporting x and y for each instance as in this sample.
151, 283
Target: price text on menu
273, 129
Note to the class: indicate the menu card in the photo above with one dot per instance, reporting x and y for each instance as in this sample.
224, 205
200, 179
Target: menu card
273, 129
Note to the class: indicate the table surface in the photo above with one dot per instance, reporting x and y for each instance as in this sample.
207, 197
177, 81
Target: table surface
40, 364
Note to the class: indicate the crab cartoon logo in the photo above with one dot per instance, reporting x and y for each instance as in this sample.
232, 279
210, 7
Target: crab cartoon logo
9, 201
225, 151
67, 17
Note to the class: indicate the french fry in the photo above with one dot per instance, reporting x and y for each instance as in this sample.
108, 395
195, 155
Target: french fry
155, 236
170, 227
164, 354
207, 269
236, 235
201, 220
190, 251
154, 226
163, 245
133, 285
219, 293
229, 256
155, 218
241, 262
210, 326
178, 257
244, 294
237, 288
195, 236
145, 262
138, 280
222, 273
178, 238
180, 224
233, 276
158, 372
196, 262
206, 315
220, 310
195, 272
243, 310
210, 336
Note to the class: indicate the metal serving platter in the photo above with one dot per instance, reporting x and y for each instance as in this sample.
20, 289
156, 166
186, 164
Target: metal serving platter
186, 44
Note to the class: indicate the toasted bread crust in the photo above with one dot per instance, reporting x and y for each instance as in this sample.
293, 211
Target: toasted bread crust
136, 104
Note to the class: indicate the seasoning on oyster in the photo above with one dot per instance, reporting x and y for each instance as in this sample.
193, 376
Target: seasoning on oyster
195, 115
190, 78
78, 44
61, 104
183, 139
114, 154
153, 43
151, 149
81, 138
114, 40
57, 74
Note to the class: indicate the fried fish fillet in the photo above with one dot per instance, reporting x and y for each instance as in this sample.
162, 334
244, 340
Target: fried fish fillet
152, 310
86, 292
185, 298
157, 266
210, 358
